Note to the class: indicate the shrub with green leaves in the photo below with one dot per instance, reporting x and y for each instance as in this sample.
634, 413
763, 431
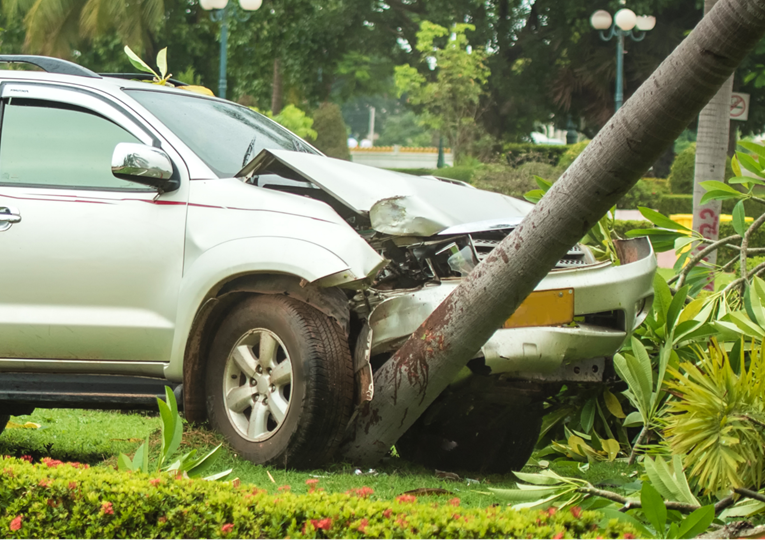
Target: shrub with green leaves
513, 181
516, 154
572, 152
331, 132
58, 501
682, 172
647, 192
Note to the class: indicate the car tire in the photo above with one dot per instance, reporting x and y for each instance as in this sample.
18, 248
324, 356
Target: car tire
279, 382
476, 443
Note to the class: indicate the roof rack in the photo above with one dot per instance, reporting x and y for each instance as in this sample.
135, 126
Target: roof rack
140, 77
49, 64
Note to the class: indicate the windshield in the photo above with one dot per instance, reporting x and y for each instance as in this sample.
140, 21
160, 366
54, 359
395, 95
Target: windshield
224, 135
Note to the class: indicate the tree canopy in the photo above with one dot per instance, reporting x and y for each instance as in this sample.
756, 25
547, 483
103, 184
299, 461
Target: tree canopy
546, 63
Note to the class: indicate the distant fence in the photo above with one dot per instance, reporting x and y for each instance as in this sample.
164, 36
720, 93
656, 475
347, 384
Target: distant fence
400, 157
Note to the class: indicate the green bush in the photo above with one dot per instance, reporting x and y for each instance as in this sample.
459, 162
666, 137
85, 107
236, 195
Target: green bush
751, 263
572, 152
682, 171
519, 153
647, 192
56, 500
331, 133
622, 226
675, 204
513, 181
683, 204
756, 240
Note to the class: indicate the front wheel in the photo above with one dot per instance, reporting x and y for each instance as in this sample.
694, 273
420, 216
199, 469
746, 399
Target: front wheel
280, 382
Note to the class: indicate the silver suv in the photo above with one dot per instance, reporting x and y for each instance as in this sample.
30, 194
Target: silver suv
152, 236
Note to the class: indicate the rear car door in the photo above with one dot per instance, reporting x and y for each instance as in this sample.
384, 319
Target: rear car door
91, 264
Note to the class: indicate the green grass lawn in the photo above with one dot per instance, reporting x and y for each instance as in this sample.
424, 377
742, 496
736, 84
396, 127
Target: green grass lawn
97, 438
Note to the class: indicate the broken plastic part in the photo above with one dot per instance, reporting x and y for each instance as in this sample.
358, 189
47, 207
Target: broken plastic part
462, 260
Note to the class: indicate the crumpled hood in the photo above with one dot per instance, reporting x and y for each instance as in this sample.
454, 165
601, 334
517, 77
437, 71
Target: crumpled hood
397, 204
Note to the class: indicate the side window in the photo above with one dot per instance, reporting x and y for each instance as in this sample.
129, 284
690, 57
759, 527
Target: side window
44, 143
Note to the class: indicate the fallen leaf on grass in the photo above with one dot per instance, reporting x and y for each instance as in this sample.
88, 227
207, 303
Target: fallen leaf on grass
271, 477
428, 491
26, 425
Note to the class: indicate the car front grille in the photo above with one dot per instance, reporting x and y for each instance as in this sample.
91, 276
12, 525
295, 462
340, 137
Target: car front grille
575, 258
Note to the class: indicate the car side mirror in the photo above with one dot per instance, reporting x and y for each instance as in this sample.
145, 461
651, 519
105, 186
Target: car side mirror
144, 165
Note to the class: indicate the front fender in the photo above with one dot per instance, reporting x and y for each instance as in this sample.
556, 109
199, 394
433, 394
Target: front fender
218, 265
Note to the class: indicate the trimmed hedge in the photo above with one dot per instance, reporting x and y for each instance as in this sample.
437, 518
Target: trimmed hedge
647, 192
683, 204
56, 500
519, 153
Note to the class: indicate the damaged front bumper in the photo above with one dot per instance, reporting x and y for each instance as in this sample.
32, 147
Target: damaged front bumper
609, 302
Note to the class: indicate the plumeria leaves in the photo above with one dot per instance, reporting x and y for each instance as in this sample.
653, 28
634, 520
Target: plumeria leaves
139, 64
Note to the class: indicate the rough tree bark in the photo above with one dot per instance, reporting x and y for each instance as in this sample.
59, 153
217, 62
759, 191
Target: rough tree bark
623, 150
711, 151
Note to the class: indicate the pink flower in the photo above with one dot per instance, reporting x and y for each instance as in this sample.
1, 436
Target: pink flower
155, 481
325, 523
106, 508
312, 481
283, 488
406, 498
362, 492
576, 511
16, 523
363, 525
628, 535
559, 536
227, 528
454, 502
387, 513
26, 458
52, 463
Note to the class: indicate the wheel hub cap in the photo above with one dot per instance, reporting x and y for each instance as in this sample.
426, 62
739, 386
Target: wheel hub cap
257, 384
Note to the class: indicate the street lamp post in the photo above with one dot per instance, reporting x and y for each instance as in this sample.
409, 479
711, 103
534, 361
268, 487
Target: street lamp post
220, 13
624, 22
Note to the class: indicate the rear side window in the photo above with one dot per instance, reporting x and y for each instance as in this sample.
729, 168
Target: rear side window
43, 143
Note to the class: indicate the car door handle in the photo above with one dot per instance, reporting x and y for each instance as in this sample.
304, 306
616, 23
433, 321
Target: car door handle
8, 216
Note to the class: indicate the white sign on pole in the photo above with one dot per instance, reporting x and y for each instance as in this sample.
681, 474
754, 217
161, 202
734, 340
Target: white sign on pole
739, 106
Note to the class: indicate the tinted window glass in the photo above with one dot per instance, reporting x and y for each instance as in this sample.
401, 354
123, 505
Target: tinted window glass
224, 135
42, 143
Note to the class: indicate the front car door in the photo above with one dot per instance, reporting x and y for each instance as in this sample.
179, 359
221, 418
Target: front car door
91, 264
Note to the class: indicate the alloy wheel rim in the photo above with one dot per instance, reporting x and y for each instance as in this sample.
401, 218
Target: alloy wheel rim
257, 384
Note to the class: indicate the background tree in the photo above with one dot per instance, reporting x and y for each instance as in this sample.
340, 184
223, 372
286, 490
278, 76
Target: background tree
450, 100
58, 28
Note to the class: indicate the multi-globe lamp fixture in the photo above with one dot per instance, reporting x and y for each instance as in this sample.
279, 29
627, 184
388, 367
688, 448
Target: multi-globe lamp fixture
220, 12
624, 24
